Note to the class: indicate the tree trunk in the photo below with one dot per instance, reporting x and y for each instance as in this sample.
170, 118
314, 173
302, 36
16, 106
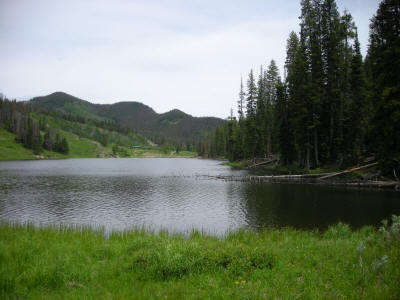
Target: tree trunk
316, 147
349, 170
331, 132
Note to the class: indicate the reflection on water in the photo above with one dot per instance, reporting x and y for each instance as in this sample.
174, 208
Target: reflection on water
174, 194
311, 207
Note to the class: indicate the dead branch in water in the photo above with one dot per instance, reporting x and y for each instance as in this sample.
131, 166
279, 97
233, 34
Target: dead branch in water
269, 161
348, 171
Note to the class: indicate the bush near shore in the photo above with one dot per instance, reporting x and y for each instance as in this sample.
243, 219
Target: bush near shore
82, 263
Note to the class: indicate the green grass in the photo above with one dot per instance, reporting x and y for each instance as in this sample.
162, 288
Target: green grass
80, 263
83, 147
233, 164
185, 154
11, 150
152, 152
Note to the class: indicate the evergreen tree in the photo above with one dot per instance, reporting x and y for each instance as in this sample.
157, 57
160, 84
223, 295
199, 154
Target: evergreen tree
384, 56
284, 131
251, 126
311, 36
48, 141
287, 144
358, 113
291, 50
271, 80
63, 146
251, 99
261, 113
333, 102
241, 101
301, 106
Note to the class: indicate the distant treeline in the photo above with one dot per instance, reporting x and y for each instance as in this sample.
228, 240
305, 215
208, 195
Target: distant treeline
332, 106
16, 118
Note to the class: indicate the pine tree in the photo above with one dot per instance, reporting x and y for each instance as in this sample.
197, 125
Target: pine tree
291, 50
301, 106
271, 80
333, 102
63, 146
384, 56
251, 127
241, 101
261, 113
357, 121
284, 131
48, 141
311, 36
251, 99
287, 144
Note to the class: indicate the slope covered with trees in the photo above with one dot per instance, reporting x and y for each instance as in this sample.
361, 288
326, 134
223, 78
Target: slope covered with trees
30, 135
331, 107
175, 126
16, 118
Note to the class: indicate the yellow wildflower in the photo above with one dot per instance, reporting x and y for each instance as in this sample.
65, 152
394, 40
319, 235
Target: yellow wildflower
236, 282
243, 282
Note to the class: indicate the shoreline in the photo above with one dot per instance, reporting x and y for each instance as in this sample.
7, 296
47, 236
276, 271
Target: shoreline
292, 179
91, 157
355, 177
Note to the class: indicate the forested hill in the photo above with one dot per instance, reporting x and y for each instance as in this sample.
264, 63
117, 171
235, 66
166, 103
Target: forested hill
333, 107
174, 125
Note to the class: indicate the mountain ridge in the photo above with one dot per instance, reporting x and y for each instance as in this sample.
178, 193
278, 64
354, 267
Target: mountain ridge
175, 124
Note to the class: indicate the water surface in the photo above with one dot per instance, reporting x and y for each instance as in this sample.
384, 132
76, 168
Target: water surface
175, 194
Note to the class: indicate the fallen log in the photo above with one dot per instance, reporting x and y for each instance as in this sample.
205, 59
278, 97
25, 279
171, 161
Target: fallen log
348, 171
375, 184
299, 176
264, 163
264, 178
298, 179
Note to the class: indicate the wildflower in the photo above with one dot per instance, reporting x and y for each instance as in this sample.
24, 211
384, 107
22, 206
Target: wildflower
236, 282
243, 282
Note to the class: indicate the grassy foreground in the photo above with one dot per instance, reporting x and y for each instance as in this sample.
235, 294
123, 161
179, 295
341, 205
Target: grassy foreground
80, 263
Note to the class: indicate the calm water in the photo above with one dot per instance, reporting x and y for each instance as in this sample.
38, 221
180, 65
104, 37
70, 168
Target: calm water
174, 194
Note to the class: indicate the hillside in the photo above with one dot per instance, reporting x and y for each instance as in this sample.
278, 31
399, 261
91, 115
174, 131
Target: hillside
28, 134
174, 125
78, 148
65, 104
82, 143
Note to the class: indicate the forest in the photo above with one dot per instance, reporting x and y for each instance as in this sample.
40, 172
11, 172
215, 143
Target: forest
332, 106
16, 118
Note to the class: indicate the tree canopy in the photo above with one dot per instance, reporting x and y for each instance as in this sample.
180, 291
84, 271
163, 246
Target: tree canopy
332, 105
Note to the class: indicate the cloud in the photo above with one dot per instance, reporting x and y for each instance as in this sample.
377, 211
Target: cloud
167, 54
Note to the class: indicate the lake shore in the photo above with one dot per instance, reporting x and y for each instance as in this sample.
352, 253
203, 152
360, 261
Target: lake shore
73, 263
368, 176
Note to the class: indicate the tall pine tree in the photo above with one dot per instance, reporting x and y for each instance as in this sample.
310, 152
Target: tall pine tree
251, 126
384, 56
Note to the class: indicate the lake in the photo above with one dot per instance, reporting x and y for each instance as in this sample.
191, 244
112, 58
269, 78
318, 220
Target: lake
177, 195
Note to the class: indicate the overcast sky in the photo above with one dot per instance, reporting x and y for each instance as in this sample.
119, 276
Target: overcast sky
168, 54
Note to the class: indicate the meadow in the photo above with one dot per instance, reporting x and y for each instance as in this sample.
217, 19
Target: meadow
63, 262
80, 147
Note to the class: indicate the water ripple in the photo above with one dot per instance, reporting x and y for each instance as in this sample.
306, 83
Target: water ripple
173, 194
